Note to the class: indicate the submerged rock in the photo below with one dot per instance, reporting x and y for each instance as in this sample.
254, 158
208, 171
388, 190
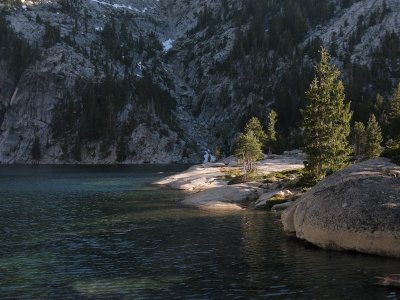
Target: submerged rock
278, 209
356, 209
392, 280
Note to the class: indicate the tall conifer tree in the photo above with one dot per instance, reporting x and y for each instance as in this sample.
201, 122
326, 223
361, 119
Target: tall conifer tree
326, 121
394, 114
271, 130
254, 126
359, 138
248, 151
373, 139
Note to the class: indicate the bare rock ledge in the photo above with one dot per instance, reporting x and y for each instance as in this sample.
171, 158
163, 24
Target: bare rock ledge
228, 197
356, 209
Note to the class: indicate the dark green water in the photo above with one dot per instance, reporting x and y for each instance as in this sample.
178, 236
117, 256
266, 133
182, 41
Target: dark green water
102, 232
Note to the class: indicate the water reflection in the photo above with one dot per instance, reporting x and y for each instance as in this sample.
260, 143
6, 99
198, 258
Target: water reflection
79, 232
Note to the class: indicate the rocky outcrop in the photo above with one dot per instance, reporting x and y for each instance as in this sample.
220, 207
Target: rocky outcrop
210, 184
196, 178
356, 209
236, 196
211, 175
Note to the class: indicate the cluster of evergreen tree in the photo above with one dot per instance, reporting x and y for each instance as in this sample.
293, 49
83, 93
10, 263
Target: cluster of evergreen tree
18, 52
156, 100
36, 151
52, 35
11, 3
278, 26
327, 120
94, 116
118, 42
326, 124
367, 140
273, 39
254, 140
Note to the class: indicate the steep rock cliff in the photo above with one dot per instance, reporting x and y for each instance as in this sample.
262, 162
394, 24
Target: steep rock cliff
164, 81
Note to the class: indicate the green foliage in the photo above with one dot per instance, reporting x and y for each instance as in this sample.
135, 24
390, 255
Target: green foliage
51, 35
394, 114
205, 19
217, 153
373, 139
266, 37
359, 138
15, 50
278, 25
35, 151
65, 116
326, 121
248, 151
109, 37
254, 126
392, 151
283, 175
151, 97
67, 6
101, 102
271, 131
12, 3
122, 150
94, 116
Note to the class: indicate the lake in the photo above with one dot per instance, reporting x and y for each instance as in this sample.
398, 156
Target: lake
102, 232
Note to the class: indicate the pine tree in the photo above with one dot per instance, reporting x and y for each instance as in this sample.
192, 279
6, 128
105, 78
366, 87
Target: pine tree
254, 126
373, 139
394, 114
379, 108
248, 151
271, 131
35, 152
326, 121
359, 138
122, 150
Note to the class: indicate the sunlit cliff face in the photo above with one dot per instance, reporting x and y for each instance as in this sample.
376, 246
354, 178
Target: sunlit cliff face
27, 3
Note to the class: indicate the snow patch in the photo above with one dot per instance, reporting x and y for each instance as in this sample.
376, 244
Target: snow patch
144, 10
168, 44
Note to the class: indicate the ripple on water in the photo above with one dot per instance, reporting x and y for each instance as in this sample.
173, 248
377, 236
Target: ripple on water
92, 233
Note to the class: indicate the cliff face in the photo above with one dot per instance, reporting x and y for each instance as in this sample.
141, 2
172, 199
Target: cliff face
46, 102
164, 81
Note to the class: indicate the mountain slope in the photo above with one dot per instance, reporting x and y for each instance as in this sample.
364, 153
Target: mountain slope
163, 81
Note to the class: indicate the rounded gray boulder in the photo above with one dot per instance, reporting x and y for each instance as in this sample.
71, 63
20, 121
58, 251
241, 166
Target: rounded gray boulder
357, 208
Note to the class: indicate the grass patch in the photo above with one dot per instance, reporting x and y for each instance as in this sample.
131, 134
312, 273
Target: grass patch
236, 177
392, 151
277, 197
230, 174
283, 175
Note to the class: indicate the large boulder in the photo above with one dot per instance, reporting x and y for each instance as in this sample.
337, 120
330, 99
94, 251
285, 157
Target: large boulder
357, 209
235, 196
